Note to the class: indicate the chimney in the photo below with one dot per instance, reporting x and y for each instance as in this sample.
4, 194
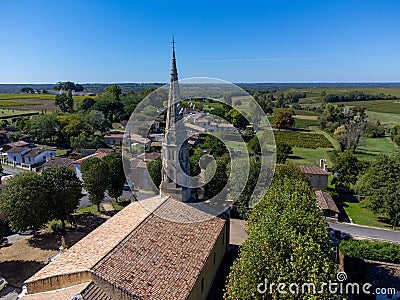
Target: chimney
325, 167
322, 162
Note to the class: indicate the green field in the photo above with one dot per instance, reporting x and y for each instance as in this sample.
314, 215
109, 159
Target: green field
307, 156
387, 119
301, 139
33, 97
362, 215
13, 103
385, 106
370, 148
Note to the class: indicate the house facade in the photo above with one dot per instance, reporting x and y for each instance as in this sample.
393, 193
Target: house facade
29, 156
317, 176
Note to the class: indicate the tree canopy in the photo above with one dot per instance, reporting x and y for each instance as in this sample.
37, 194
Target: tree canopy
64, 191
116, 175
95, 179
286, 244
381, 186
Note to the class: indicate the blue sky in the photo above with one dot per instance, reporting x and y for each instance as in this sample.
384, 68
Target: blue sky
46, 41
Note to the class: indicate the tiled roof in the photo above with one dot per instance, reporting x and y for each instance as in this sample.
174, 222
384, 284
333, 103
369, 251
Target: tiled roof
313, 170
98, 155
58, 161
114, 136
227, 125
18, 144
94, 292
325, 201
162, 259
87, 252
17, 149
194, 127
35, 152
149, 156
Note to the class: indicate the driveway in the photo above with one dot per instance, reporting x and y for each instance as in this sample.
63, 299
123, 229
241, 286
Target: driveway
11, 171
367, 232
126, 194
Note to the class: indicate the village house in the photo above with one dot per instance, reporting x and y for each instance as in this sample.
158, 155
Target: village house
27, 157
77, 163
58, 162
317, 176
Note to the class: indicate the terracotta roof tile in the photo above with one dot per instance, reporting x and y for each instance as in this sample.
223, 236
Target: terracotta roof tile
58, 161
87, 252
313, 170
325, 201
162, 259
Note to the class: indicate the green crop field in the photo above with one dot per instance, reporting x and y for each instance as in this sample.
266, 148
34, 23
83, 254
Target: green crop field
34, 97
387, 119
302, 139
386, 106
12, 103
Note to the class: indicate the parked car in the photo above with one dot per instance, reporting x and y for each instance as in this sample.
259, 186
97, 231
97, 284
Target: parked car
3, 283
128, 187
3, 241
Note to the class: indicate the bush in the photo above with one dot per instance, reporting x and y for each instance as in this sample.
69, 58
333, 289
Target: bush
373, 250
56, 226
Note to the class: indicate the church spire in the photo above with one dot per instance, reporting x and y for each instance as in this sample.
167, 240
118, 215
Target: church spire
174, 71
175, 154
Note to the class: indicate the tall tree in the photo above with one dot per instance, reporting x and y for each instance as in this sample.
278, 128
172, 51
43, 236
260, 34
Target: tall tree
95, 179
116, 175
282, 153
283, 119
286, 244
97, 120
64, 191
24, 201
43, 126
65, 102
381, 186
154, 168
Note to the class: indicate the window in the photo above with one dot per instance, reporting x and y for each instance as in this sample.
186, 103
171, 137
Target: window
202, 284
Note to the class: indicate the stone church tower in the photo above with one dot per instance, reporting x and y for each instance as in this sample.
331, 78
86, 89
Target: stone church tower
175, 179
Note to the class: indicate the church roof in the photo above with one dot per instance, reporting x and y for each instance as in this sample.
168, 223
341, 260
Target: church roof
162, 259
141, 253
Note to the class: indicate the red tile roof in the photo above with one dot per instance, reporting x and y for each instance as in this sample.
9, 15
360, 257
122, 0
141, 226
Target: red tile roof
58, 161
313, 170
162, 259
325, 201
98, 155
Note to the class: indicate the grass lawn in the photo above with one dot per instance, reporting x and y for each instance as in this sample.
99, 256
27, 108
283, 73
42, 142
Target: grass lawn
92, 209
369, 148
307, 156
387, 119
363, 216
310, 140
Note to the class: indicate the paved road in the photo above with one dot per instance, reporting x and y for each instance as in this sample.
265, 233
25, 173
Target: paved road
367, 232
9, 293
12, 171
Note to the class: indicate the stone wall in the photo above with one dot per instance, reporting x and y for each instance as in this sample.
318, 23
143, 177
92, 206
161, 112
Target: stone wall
57, 282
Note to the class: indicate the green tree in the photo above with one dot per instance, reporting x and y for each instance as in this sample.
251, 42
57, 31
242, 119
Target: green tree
114, 90
347, 168
282, 153
86, 141
64, 191
253, 146
116, 175
43, 126
95, 178
381, 186
97, 121
71, 125
286, 243
87, 104
219, 180
65, 102
236, 118
24, 202
283, 119
214, 145
154, 168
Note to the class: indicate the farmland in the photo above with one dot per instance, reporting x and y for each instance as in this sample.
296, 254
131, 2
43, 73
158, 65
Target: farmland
302, 140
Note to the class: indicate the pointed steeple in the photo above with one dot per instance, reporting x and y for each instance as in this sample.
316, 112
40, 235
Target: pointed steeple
174, 71
175, 154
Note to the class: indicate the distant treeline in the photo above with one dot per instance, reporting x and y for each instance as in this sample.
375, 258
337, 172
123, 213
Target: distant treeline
251, 87
355, 96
